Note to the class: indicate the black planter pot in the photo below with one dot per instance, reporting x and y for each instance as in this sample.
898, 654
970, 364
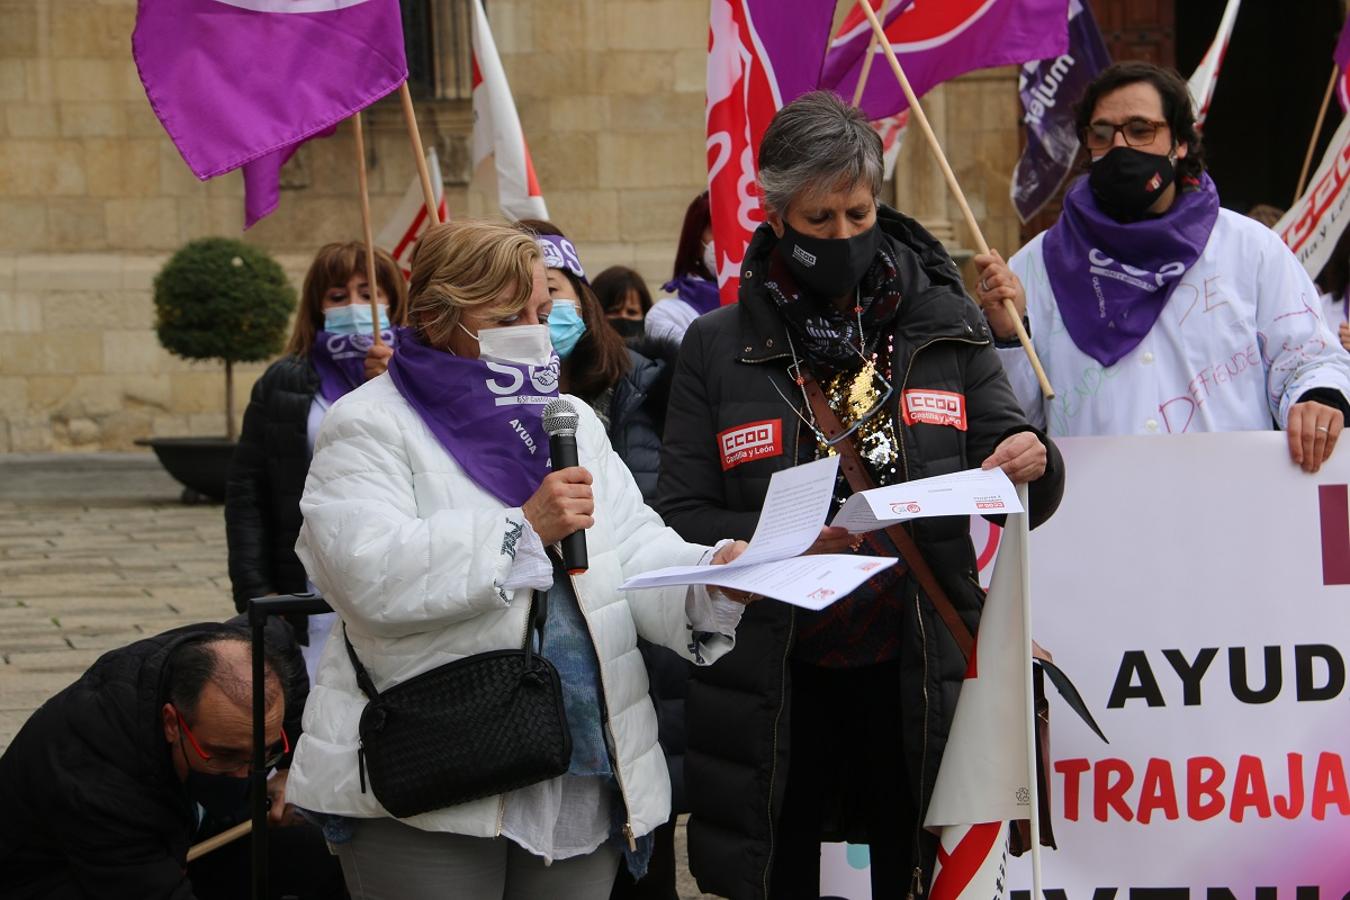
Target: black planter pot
199, 463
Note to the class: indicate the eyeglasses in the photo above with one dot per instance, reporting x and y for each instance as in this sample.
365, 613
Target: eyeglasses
1137, 133
232, 762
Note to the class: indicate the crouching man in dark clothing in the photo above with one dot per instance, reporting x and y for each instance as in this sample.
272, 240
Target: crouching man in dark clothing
110, 782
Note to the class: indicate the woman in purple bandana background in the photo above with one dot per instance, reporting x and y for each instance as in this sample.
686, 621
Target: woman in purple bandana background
693, 285
330, 352
1153, 310
428, 508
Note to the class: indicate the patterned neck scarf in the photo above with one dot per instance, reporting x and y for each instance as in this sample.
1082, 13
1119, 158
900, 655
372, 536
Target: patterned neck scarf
825, 337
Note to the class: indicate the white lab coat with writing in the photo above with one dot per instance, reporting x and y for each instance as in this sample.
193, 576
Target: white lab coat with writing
1239, 342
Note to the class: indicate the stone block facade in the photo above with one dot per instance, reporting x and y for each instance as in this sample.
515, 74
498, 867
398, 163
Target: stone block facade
94, 197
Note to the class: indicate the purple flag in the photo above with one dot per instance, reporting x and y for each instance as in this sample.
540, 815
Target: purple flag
1342, 57
936, 40
1049, 88
241, 83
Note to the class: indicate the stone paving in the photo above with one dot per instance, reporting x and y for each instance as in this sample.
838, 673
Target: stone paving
96, 551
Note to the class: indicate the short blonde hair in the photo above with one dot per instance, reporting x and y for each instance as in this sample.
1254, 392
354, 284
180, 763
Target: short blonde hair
483, 266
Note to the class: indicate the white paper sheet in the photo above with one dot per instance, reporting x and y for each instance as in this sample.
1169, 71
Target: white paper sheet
972, 492
795, 508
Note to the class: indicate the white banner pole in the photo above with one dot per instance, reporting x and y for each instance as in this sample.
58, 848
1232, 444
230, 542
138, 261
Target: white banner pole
1022, 524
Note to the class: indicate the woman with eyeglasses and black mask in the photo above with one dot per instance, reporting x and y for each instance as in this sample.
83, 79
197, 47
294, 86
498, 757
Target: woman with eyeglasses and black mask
1153, 310
830, 725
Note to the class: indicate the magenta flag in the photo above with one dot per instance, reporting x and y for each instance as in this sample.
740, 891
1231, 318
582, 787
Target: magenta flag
936, 40
242, 83
1341, 55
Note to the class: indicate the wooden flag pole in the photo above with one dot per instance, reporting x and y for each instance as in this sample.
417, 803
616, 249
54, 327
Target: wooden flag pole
371, 283
220, 840
1317, 131
419, 155
917, 114
866, 70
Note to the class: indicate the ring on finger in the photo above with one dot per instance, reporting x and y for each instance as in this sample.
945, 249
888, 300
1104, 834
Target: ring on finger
984, 284
1324, 429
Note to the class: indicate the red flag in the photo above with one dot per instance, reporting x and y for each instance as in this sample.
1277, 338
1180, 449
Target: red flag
496, 128
405, 226
1206, 75
761, 54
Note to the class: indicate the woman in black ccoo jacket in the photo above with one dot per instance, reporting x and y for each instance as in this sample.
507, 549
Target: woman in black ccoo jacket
831, 725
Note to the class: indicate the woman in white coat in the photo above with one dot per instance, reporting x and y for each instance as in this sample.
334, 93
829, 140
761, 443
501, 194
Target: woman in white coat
427, 510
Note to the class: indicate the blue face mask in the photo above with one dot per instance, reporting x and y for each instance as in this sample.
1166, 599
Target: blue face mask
354, 318
565, 327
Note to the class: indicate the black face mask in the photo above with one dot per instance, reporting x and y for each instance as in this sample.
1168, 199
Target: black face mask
628, 328
219, 795
828, 267
1126, 182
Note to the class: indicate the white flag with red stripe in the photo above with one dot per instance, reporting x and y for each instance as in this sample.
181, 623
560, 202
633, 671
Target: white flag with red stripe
1206, 74
985, 776
496, 129
892, 131
409, 220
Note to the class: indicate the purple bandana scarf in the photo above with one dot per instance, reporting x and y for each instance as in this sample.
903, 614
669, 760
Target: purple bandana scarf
1111, 279
487, 414
560, 253
340, 360
700, 293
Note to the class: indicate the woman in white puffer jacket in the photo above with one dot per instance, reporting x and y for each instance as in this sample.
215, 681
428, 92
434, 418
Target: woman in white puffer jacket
427, 509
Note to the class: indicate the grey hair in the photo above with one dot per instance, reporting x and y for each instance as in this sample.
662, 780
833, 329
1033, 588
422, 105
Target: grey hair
817, 141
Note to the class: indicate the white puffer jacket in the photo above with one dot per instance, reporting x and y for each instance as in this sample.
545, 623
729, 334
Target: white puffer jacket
410, 552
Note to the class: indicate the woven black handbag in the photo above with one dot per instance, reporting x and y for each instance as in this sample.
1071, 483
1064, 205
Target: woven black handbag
478, 726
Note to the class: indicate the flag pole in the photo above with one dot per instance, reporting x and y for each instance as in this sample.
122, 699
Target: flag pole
866, 70
371, 283
419, 155
1317, 131
916, 111
1024, 533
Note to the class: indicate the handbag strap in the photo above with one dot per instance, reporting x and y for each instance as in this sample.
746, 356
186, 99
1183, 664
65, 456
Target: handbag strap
537, 616
860, 480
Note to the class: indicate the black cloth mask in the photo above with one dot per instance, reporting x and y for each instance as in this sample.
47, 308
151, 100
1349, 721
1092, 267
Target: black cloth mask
1126, 182
220, 795
828, 267
628, 329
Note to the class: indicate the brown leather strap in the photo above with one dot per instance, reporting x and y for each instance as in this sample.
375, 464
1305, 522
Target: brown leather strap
860, 480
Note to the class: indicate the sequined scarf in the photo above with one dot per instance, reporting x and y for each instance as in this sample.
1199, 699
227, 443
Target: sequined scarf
826, 338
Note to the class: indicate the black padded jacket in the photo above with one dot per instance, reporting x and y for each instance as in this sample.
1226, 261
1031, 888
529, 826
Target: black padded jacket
732, 373
266, 479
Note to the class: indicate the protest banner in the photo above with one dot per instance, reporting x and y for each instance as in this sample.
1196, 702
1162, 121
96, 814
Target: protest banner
1197, 589
1314, 224
1336, 84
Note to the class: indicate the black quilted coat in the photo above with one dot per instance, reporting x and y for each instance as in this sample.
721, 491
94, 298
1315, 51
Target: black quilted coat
732, 371
267, 477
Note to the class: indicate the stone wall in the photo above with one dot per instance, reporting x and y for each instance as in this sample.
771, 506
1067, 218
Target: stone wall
94, 197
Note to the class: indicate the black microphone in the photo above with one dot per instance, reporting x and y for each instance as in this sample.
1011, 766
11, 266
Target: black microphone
560, 421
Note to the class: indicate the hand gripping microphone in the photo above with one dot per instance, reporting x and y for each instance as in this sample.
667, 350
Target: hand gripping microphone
560, 421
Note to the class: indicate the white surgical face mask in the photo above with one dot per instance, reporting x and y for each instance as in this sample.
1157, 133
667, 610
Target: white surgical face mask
522, 345
710, 259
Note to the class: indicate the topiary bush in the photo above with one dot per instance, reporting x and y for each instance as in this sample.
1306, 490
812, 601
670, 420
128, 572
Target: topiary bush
220, 298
